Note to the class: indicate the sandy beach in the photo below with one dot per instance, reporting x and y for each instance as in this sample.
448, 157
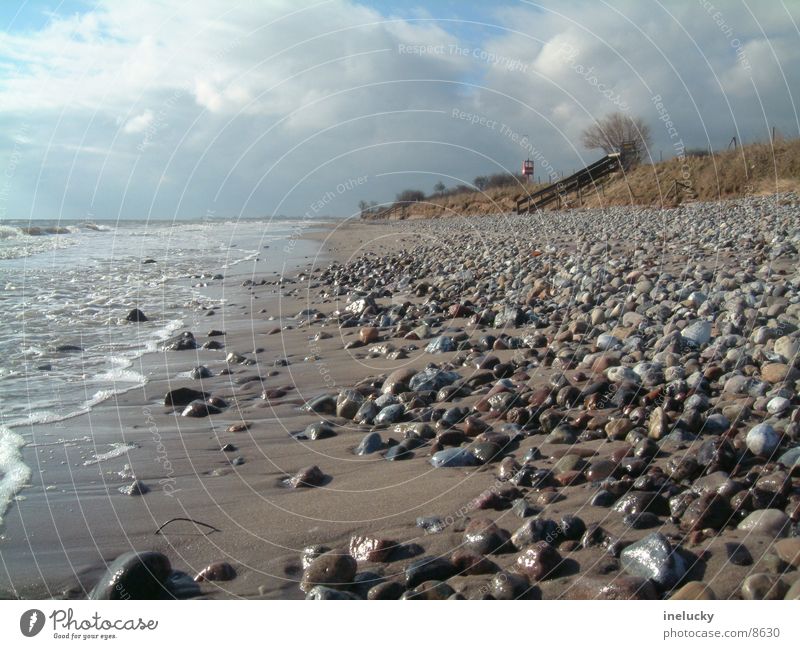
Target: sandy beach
591, 420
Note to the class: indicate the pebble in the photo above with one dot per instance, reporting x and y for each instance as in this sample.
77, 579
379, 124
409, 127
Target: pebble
371, 443
761, 586
483, 536
620, 587
218, 571
370, 548
539, 561
310, 476
453, 457
694, 590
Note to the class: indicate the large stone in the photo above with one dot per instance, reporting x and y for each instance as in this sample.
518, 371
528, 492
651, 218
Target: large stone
184, 396
134, 575
329, 569
654, 558
768, 522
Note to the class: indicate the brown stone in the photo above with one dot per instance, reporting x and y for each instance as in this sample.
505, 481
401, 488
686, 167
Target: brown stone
368, 335
694, 590
370, 548
789, 551
329, 569
218, 571
539, 561
620, 587
469, 562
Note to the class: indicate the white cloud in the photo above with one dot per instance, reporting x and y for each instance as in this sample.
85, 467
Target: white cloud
139, 123
226, 94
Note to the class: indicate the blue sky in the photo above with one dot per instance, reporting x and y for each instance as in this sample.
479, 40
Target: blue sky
219, 108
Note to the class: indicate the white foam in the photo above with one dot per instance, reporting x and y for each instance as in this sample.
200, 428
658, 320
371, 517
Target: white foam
14, 473
117, 449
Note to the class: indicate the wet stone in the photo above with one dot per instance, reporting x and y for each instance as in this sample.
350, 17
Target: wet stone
134, 575
329, 569
371, 443
218, 571
539, 561
769, 522
482, 535
654, 558
428, 569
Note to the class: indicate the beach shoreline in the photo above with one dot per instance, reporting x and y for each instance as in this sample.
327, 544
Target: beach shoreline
553, 289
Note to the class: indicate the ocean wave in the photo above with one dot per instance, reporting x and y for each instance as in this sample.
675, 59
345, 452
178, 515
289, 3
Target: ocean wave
14, 473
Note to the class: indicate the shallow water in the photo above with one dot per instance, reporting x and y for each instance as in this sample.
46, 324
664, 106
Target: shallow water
72, 284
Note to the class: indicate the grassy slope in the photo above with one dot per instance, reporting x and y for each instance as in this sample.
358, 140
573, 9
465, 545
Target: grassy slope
756, 169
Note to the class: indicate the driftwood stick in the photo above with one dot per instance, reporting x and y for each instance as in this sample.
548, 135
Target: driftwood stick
190, 520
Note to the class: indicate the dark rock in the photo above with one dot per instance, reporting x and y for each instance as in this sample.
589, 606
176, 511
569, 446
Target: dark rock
134, 575
181, 342
371, 443
135, 315
329, 569
428, 569
200, 409
386, 590
184, 396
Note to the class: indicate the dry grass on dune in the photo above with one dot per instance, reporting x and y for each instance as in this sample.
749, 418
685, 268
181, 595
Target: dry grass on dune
756, 169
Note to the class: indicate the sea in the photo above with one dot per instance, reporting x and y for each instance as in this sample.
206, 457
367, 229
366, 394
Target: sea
67, 287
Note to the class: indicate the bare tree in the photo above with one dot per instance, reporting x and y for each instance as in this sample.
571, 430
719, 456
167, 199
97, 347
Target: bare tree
439, 188
610, 132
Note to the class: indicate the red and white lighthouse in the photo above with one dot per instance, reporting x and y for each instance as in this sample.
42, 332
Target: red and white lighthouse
527, 169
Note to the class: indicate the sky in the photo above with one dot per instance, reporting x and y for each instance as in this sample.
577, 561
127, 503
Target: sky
176, 109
